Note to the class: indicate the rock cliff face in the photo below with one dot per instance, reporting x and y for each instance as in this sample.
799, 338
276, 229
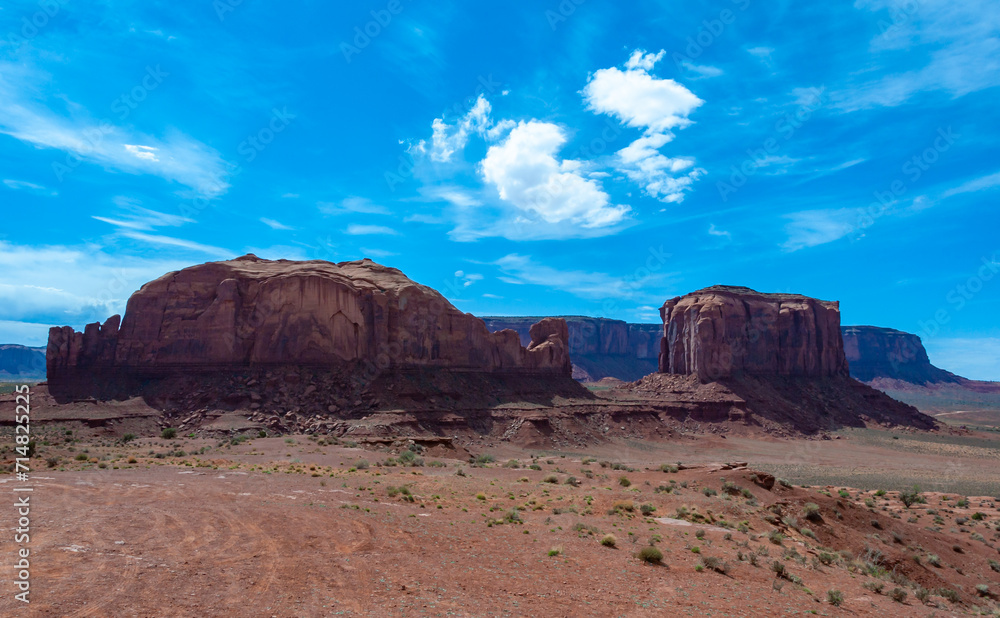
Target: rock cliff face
875, 352
355, 318
599, 347
21, 362
724, 331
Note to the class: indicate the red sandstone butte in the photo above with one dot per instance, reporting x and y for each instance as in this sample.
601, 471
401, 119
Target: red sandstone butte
725, 331
250, 312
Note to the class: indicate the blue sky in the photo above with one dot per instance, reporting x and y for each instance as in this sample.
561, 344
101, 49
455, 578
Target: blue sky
523, 158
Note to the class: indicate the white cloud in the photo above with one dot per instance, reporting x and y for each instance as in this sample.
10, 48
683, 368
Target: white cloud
447, 139
978, 184
275, 225
176, 157
817, 227
526, 173
138, 218
147, 153
662, 177
457, 196
468, 278
521, 270
714, 231
59, 285
21, 185
657, 106
637, 98
762, 53
425, 218
957, 41
355, 229
169, 241
493, 296
352, 204
379, 253
701, 70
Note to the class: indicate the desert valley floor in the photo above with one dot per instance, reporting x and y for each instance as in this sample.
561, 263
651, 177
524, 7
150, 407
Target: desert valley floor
299, 525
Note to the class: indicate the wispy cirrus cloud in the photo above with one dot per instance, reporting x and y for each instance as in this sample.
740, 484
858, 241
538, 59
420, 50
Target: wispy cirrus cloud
353, 204
135, 217
957, 44
275, 225
522, 269
174, 157
810, 228
181, 243
56, 285
982, 183
357, 229
31, 187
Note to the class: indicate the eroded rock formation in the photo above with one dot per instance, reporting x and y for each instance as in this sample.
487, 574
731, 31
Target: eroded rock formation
725, 331
355, 318
599, 347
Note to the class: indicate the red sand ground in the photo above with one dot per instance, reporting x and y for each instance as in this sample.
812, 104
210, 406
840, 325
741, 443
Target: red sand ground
272, 528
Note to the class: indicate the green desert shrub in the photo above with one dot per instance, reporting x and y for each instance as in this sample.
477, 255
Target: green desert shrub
835, 597
651, 555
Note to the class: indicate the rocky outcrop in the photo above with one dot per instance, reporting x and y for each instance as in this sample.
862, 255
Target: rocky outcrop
725, 331
356, 319
875, 352
598, 347
21, 362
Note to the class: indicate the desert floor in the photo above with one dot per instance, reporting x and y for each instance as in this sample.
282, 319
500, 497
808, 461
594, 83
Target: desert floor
309, 526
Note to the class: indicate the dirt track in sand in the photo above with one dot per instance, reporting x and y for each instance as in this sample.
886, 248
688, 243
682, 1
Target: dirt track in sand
191, 544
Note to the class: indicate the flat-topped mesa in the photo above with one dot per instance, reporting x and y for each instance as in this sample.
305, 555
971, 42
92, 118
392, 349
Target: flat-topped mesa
875, 352
727, 331
352, 317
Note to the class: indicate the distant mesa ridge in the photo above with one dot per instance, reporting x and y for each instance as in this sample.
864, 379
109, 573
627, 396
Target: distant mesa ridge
21, 362
358, 317
598, 347
875, 352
